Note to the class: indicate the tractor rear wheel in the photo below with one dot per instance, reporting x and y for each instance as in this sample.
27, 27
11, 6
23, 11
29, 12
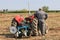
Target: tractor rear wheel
34, 27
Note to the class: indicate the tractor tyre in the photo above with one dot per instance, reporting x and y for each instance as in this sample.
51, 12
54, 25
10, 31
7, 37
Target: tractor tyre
14, 23
18, 35
29, 33
34, 27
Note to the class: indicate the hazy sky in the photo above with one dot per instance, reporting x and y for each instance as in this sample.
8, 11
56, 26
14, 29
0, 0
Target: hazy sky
34, 4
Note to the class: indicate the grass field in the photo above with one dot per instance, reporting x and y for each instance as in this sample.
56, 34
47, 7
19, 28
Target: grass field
53, 21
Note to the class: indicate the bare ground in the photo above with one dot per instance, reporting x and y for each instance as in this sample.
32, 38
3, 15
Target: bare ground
53, 23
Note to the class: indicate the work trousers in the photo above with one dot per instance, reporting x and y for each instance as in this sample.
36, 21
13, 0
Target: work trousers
41, 26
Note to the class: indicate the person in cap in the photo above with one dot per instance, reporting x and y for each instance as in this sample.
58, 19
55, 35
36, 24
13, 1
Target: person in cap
41, 16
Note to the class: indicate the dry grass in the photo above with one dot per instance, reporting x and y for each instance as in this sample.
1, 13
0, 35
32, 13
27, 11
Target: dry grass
53, 21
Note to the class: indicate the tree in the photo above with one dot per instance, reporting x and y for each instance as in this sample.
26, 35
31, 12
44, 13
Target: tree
45, 8
5, 10
24, 10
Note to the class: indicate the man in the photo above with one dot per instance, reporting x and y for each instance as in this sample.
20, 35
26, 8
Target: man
41, 16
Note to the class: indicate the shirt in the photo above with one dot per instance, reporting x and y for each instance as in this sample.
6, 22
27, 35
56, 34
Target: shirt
40, 15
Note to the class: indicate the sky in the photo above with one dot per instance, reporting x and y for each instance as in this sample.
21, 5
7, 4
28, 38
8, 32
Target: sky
33, 4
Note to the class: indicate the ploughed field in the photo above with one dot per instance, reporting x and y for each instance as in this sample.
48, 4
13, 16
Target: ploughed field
53, 22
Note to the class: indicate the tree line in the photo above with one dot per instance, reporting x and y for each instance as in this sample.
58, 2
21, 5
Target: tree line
45, 8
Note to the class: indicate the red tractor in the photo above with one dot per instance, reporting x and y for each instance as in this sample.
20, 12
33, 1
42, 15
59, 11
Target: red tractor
21, 24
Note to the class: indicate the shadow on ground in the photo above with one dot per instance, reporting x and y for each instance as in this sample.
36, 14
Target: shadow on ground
12, 36
7, 35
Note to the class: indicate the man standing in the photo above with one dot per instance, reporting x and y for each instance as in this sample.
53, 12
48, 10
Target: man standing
41, 16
